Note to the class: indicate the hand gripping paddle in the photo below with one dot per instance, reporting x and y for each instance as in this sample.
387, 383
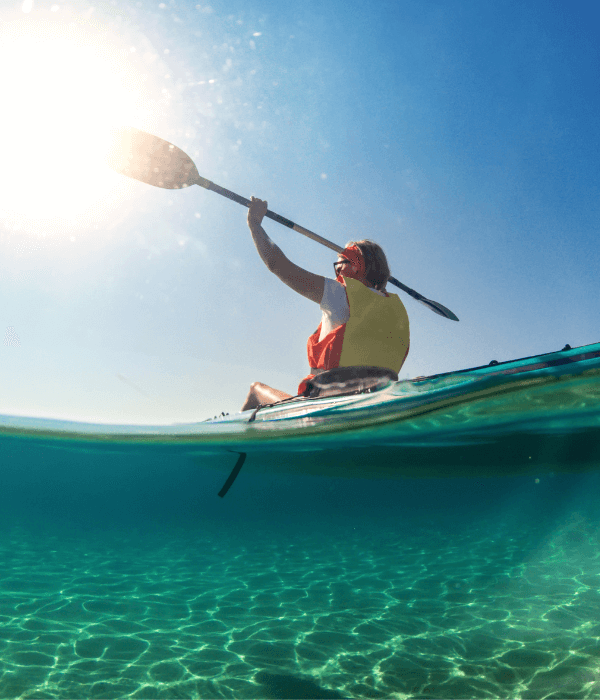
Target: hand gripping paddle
157, 162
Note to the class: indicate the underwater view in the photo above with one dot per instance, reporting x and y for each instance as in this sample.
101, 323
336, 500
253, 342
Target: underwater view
124, 575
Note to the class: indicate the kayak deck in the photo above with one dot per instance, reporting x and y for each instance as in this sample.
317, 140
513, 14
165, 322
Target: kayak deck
535, 415
400, 402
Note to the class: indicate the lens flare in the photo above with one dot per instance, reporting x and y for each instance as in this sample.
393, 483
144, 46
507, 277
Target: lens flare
64, 88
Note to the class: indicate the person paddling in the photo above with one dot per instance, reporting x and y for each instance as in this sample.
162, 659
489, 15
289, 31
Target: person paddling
361, 323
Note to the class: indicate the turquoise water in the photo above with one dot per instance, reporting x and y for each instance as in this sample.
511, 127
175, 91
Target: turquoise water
124, 575
304, 588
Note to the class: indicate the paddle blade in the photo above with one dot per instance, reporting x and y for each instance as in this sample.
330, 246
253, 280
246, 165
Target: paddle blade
438, 308
435, 306
150, 159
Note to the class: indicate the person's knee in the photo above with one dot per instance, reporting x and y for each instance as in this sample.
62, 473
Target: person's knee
257, 386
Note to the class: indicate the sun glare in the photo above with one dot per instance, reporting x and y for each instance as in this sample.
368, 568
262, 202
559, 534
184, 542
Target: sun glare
63, 89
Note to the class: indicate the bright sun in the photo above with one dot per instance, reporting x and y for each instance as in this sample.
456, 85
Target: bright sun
63, 89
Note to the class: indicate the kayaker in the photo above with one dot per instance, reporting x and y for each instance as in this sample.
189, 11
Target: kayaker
361, 324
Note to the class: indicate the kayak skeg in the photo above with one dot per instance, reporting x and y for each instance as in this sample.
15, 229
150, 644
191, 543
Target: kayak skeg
532, 415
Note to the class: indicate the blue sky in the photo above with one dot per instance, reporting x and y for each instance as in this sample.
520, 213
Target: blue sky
462, 136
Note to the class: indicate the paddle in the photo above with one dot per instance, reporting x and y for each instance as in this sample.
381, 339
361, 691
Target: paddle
157, 162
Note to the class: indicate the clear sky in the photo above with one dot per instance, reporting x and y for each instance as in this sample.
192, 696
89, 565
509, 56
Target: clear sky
460, 135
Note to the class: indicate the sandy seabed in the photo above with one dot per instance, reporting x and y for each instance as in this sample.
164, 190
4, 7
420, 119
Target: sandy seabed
338, 612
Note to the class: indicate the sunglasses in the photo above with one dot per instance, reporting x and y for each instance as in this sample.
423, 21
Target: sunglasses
337, 266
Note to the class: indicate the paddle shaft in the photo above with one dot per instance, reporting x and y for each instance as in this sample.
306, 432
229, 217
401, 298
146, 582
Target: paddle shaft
433, 305
207, 184
157, 162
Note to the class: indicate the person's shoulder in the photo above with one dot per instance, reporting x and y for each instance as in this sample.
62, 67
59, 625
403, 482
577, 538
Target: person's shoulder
334, 295
334, 286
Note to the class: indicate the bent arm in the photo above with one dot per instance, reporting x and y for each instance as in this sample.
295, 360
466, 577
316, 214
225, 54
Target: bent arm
302, 281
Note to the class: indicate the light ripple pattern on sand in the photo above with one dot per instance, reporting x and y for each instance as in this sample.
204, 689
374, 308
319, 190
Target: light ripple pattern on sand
371, 614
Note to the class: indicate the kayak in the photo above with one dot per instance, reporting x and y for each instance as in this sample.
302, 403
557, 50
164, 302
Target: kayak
535, 414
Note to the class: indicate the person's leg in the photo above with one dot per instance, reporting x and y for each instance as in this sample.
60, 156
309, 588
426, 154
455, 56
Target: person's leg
261, 393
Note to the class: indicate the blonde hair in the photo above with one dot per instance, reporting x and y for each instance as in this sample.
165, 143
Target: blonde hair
377, 270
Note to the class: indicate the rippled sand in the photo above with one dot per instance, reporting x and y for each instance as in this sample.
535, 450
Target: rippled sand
337, 612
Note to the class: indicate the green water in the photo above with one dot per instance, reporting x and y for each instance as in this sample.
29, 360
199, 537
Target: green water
496, 600
124, 575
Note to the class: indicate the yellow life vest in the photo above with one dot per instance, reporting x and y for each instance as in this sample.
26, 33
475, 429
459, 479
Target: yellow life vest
377, 332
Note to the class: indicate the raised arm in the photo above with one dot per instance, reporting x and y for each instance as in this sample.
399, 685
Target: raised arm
302, 281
